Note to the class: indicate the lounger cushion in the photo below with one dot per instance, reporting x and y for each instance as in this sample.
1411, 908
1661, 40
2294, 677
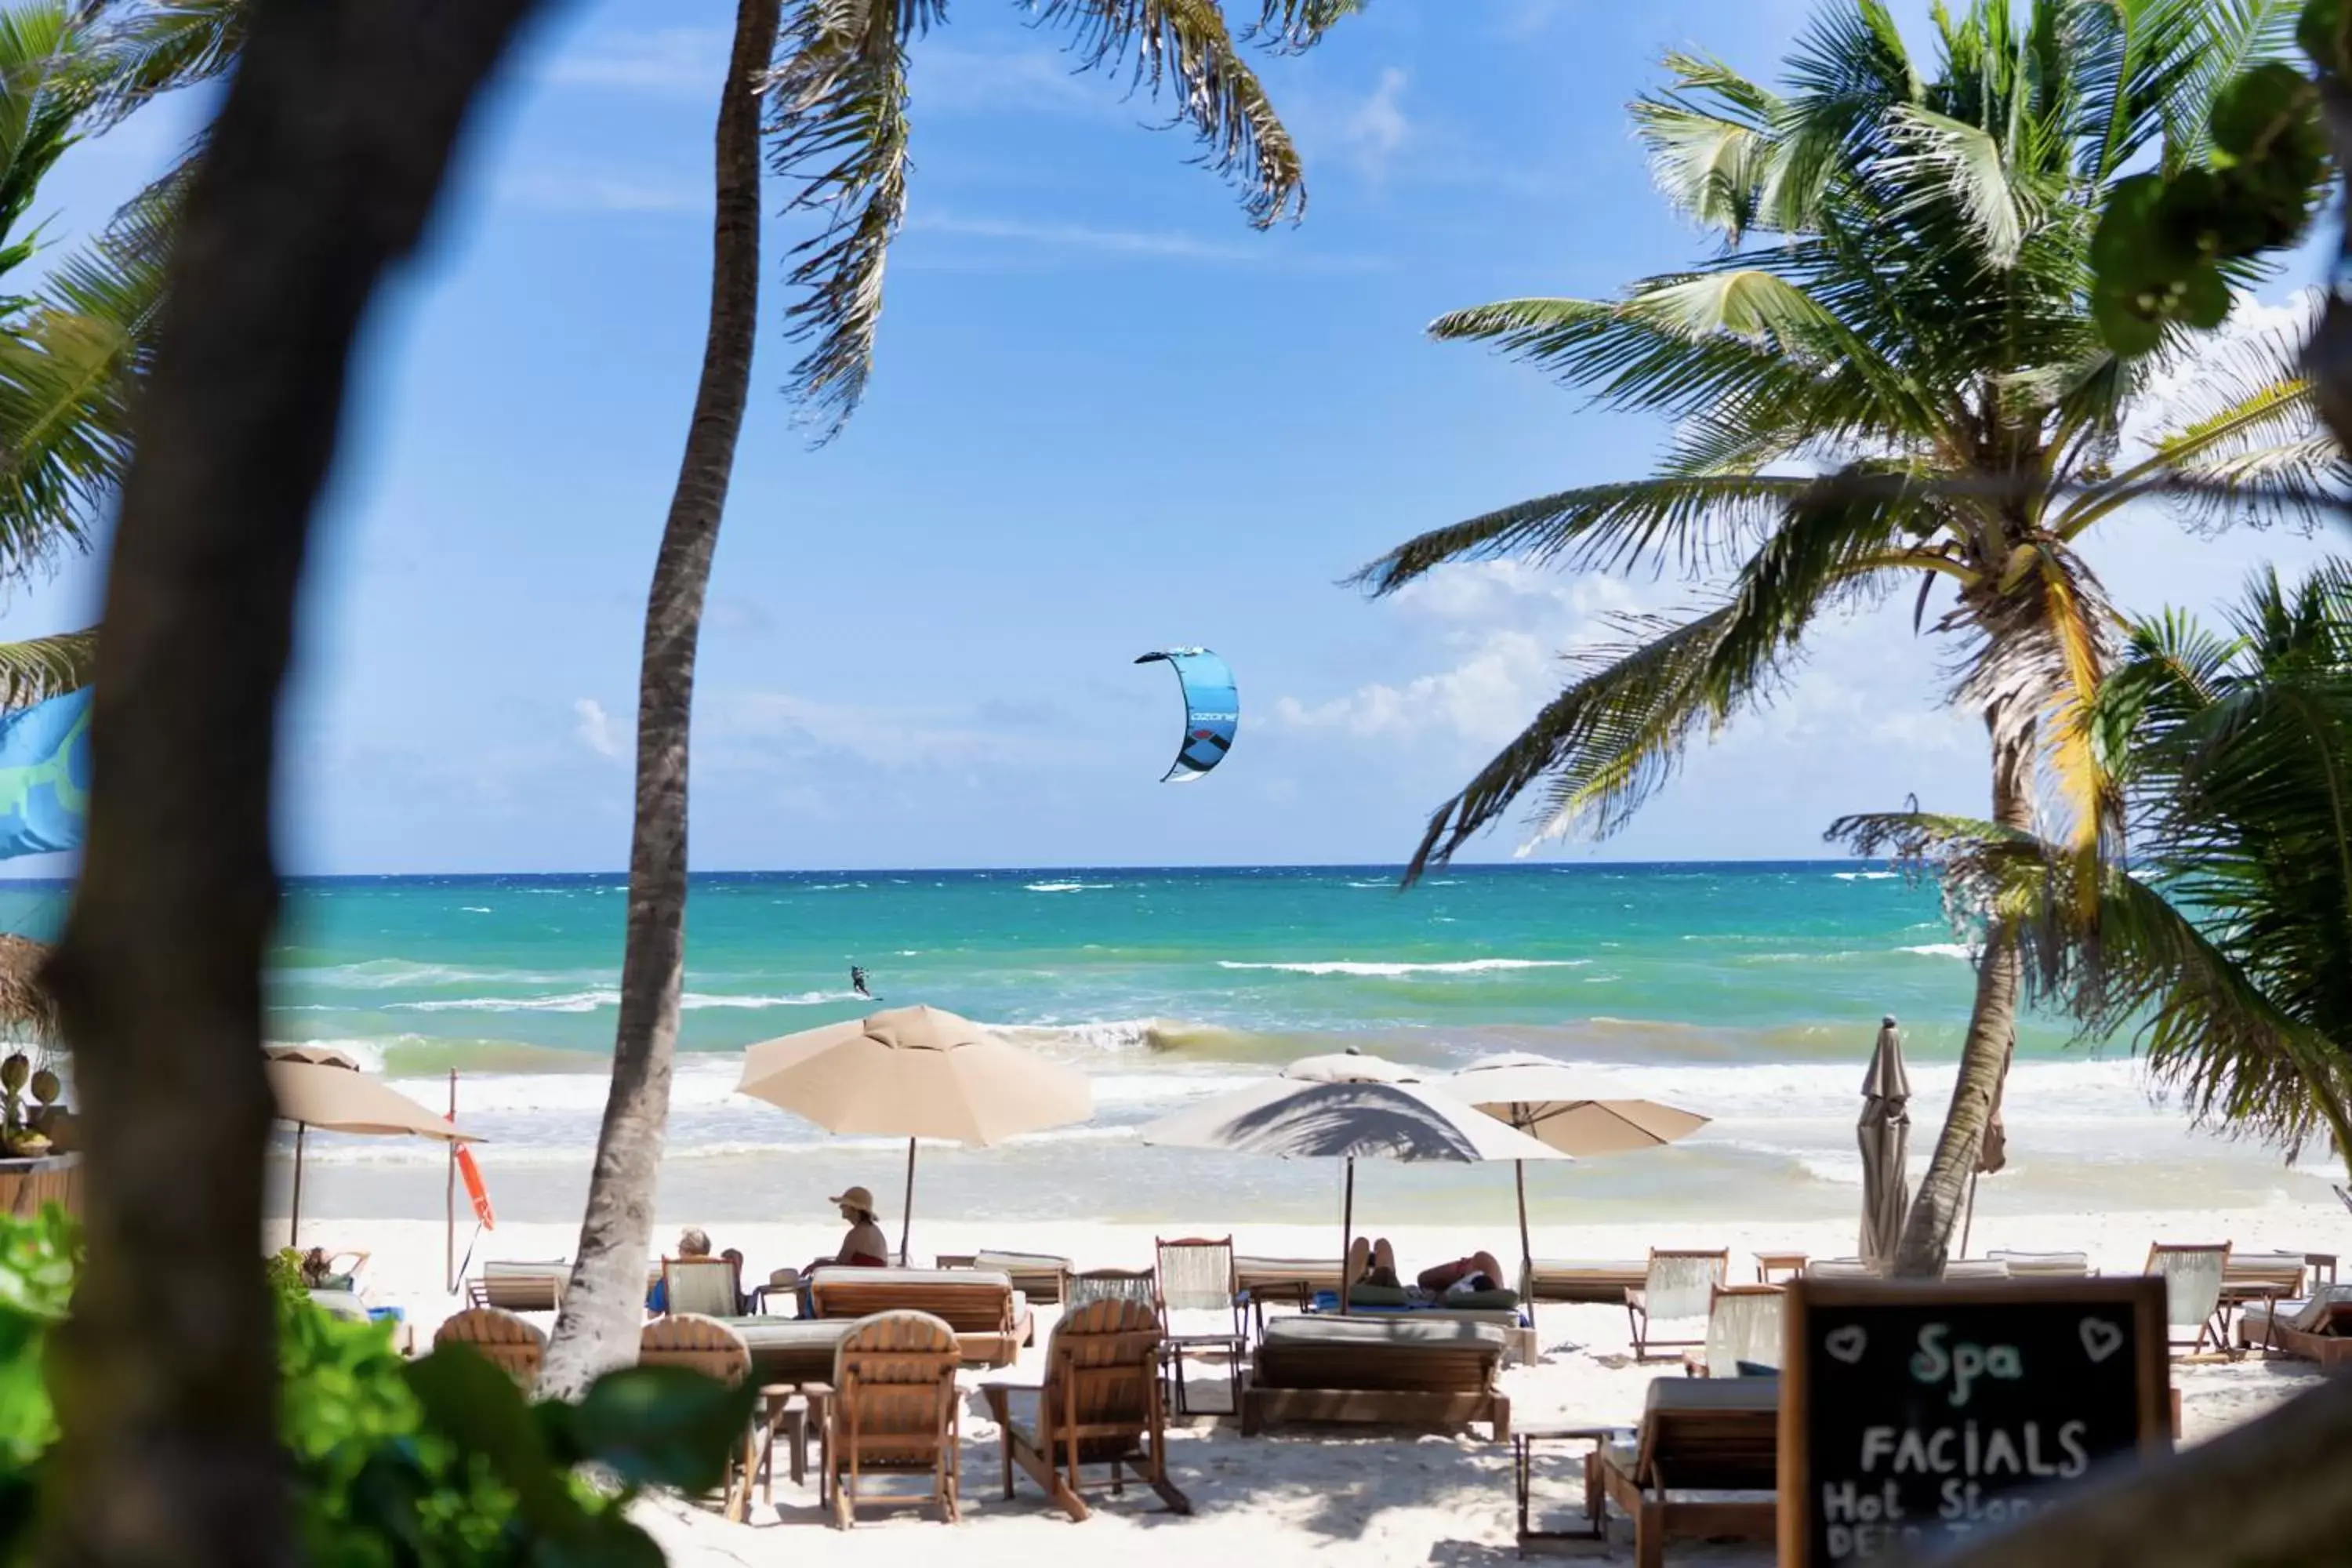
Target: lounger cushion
341, 1304
1407, 1329
968, 1278
1714, 1393
1574, 1267
2317, 1315
1020, 1262
1483, 1301
2031, 1263
1381, 1296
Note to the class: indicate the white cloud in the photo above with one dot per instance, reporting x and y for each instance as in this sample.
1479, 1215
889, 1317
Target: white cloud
1506, 624
579, 192
1376, 128
1082, 237
770, 722
946, 79
671, 59
595, 728
1271, 249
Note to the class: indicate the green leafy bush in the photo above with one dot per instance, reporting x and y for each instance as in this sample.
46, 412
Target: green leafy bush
394, 1463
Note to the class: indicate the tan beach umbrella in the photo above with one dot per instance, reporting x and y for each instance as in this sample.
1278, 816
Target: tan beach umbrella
1885, 1135
315, 1086
1541, 1098
913, 1073
1346, 1108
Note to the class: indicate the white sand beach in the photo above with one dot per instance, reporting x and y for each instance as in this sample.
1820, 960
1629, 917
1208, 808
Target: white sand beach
1326, 1495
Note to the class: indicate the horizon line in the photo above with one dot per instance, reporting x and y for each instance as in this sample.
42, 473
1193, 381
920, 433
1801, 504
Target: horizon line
1514, 866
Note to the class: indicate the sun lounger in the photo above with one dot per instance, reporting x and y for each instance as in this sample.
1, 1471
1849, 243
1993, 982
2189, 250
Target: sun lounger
1678, 1286
1839, 1268
1099, 1405
1091, 1285
894, 1410
1409, 1369
1520, 1333
1291, 1278
1597, 1281
990, 1318
519, 1287
2262, 1277
708, 1286
2192, 1278
498, 1336
2045, 1265
791, 1350
1743, 1329
2316, 1330
1698, 1435
1039, 1276
1977, 1269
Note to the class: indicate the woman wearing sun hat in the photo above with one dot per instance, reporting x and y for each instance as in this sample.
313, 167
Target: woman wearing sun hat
864, 1247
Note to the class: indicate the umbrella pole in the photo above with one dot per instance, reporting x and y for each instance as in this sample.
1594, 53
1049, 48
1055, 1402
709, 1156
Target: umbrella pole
907, 1219
449, 1199
1347, 1236
294, 1216
1527, 1249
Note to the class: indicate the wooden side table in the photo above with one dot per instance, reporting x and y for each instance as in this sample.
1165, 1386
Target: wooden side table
1524, 1441
2320, 1263
1793, 1264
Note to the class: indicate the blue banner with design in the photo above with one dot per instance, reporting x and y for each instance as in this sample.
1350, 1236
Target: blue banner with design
45, 776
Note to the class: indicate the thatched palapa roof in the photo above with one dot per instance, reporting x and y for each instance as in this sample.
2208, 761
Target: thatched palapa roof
25, 1003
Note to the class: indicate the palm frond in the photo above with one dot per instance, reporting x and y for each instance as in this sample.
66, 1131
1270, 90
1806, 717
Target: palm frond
2244, 445
1603, 528
1295, 25
161, 46
1608, 741
1947, 161
34, 670
1183, 46
2232, 35
68, 370
838, 129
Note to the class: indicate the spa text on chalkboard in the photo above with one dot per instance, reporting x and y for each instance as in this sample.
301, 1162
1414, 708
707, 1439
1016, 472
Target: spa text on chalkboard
1915, 1415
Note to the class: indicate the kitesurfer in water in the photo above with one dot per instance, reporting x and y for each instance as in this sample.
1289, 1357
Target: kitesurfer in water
857, 983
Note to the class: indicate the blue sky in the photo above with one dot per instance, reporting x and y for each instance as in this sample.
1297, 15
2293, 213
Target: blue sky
1107, 417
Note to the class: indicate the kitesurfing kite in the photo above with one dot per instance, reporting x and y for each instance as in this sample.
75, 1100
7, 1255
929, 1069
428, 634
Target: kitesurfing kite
1213, 711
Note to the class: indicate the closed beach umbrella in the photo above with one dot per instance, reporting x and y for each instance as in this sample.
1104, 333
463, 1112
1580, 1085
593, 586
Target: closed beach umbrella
1541, 1098
912, 1073
1885, 1135
1346, 1108
315, 1086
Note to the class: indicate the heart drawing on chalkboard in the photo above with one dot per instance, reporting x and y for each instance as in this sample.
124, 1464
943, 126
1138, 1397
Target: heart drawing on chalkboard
1847, 1343
2101, 1339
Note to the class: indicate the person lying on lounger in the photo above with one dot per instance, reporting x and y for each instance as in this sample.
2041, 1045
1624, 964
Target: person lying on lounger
1374, 1263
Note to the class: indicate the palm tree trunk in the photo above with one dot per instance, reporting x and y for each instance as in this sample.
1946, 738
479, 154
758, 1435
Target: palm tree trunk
604, 1302
1992, 1024
324, 165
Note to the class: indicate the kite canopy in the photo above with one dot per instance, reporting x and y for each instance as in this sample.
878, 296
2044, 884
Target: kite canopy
1213, 711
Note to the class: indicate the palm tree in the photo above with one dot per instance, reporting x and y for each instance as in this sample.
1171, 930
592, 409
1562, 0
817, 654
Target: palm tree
72, 349
838, 122
2225, 944
1888, 378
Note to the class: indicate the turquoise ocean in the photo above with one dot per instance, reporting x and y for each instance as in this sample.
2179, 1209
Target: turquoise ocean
1748, 992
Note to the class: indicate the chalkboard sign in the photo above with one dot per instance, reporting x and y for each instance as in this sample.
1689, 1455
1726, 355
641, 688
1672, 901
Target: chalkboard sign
1912, 1416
